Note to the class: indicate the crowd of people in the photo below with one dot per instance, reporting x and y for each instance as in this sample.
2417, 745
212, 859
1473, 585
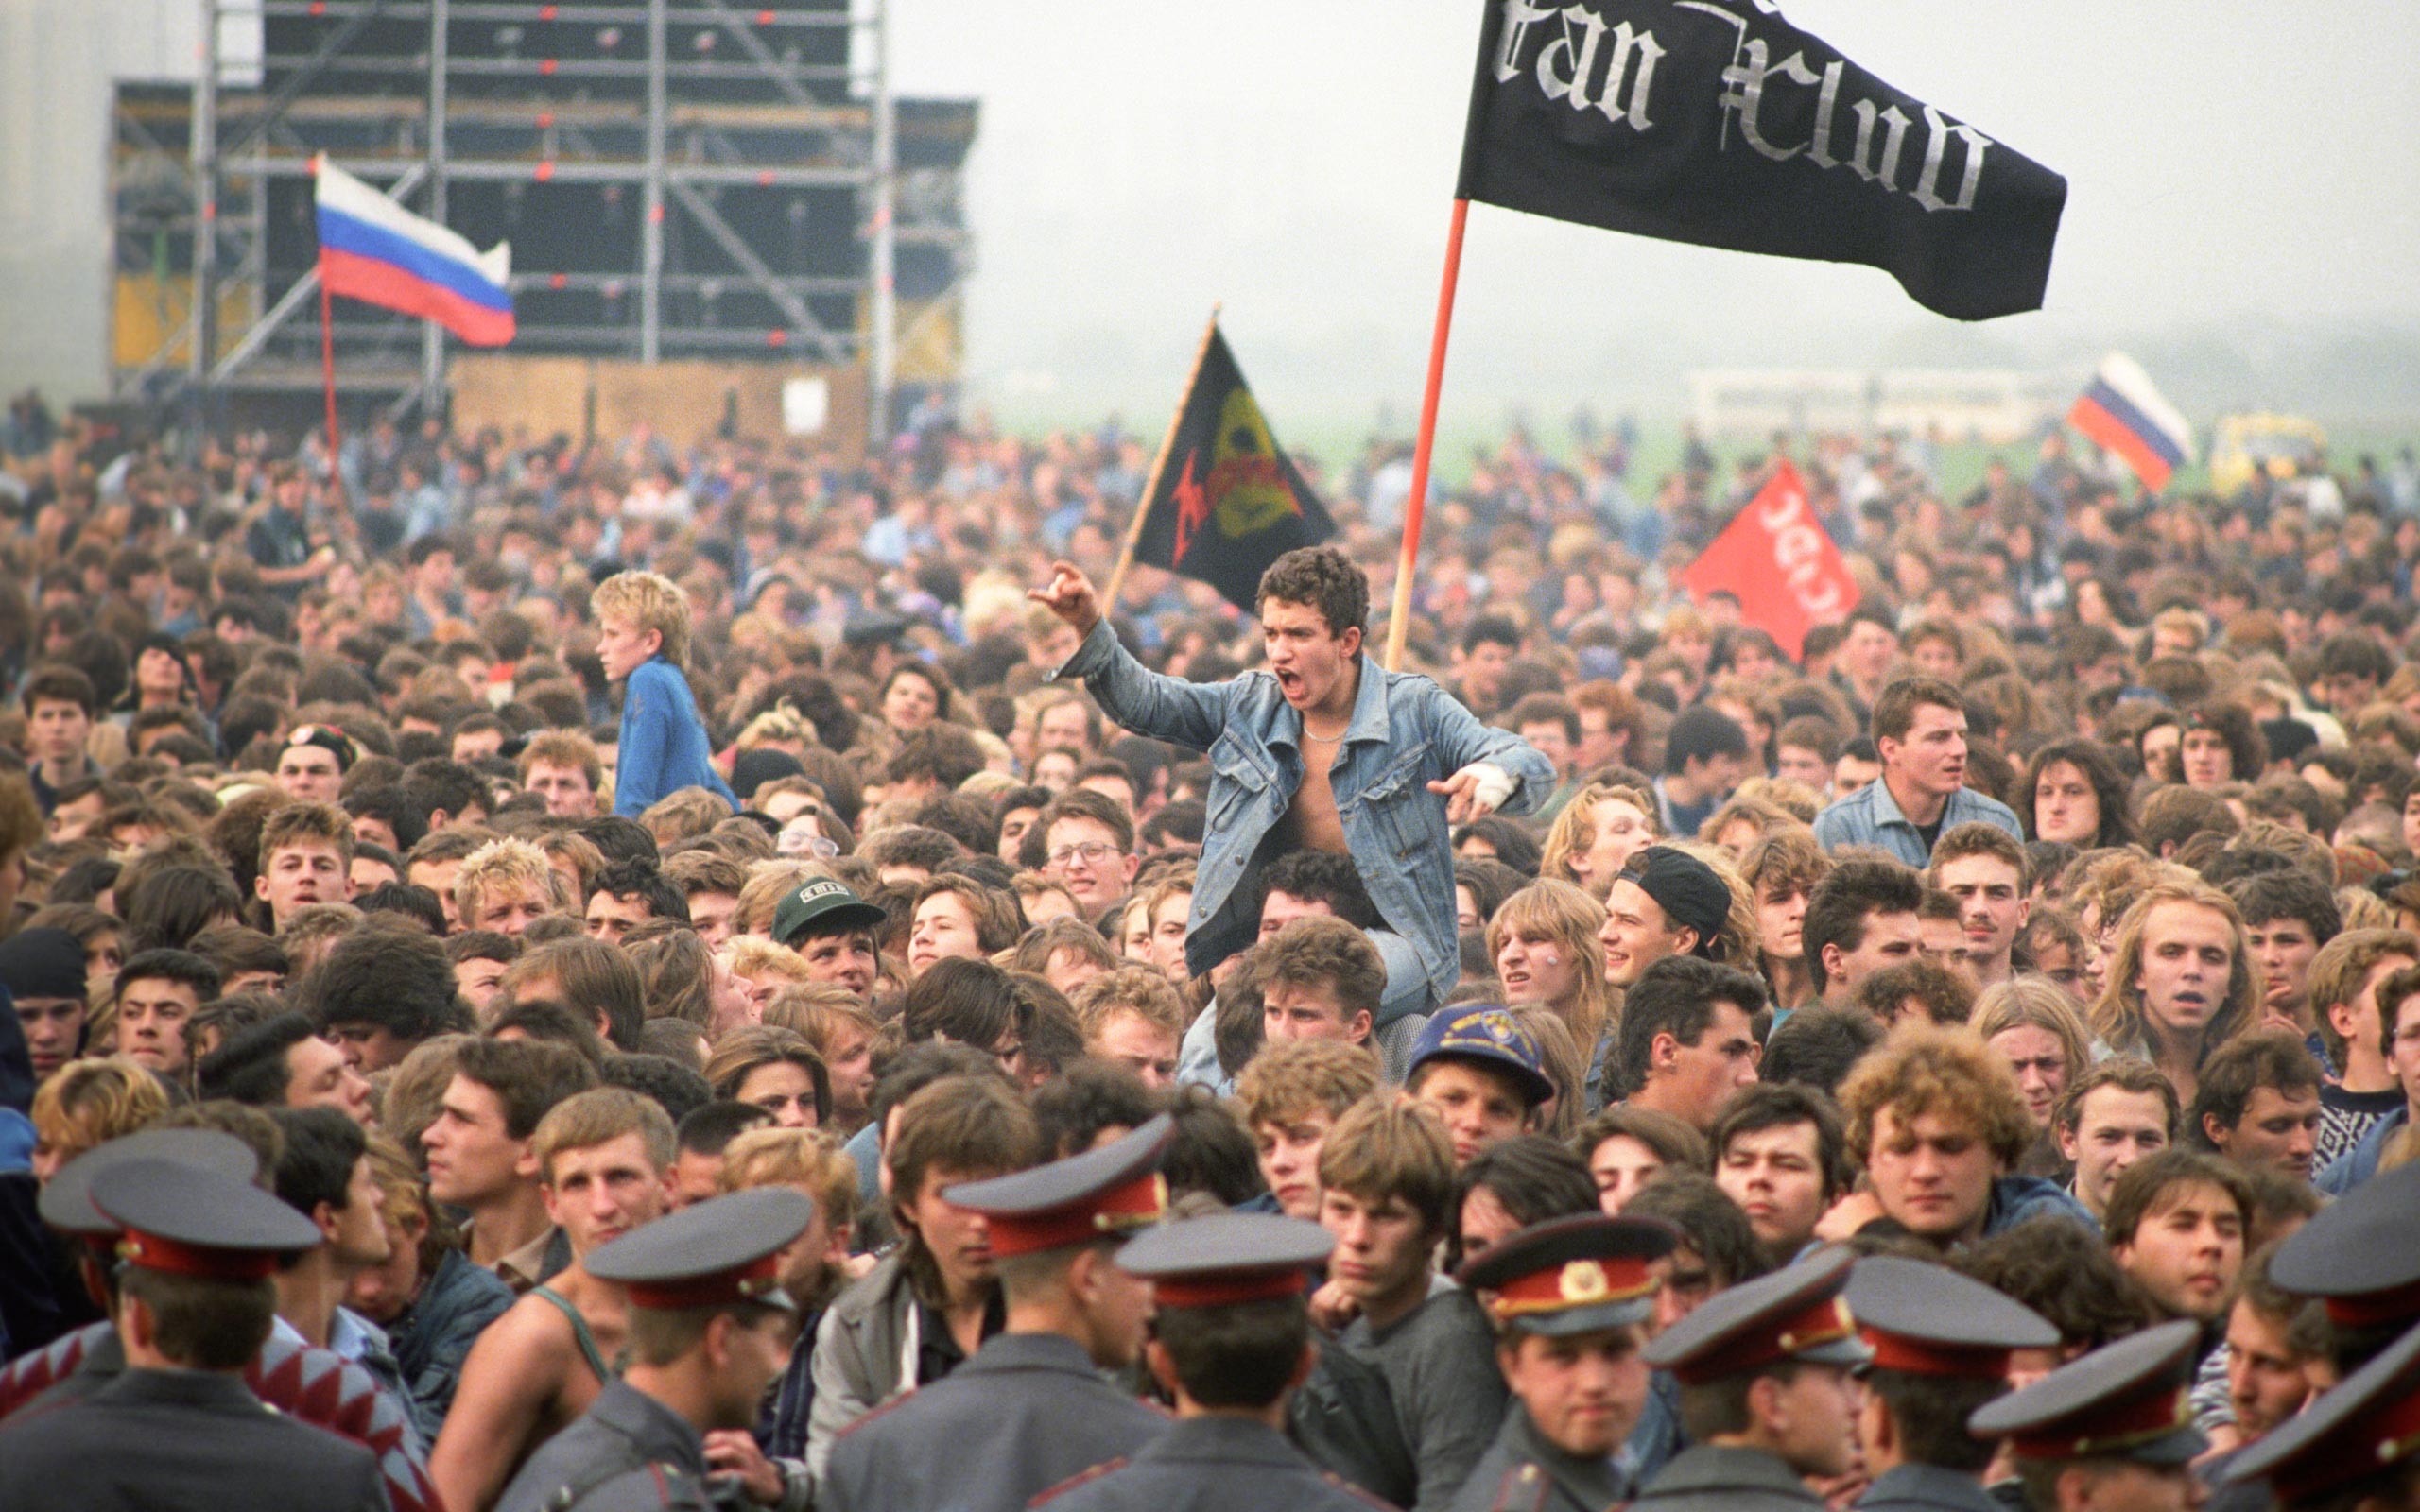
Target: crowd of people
759, 988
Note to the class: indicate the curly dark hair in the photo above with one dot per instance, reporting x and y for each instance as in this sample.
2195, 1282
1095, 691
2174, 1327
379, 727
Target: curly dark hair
1324, 579
2101, 770
2065, 1272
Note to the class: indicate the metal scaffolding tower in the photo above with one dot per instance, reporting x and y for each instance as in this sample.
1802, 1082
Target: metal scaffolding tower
680, 179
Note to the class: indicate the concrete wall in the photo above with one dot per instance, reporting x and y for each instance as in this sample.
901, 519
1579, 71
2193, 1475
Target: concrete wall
59, 60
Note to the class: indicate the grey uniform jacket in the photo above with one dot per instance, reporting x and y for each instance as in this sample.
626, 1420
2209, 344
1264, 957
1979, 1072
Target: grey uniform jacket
1925, 1489
173, 1440
1027, 1413
1522, 1472
1210, 1465
627, 1450
1712, 1479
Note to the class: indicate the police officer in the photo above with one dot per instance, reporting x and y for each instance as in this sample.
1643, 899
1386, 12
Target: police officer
1232, 1336
2356, 1256
1030, 1409
1570, 1298
178, 1427
710, 1330
1941, 1344
2113, 1429
1765, 1393
2357, 1449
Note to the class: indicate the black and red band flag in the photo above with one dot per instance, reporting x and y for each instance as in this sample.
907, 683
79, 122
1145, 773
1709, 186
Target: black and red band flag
1226, 500
1717, 122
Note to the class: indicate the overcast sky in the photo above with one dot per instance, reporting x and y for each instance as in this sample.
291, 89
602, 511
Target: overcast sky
2245, 168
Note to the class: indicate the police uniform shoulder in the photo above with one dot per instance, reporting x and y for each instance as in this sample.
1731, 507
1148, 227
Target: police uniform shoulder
649, 1488
1339, 1482
1081, 1478
1524, 1487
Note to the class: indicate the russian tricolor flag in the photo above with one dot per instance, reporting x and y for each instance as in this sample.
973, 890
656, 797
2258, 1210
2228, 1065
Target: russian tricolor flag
2124, 414
377, 252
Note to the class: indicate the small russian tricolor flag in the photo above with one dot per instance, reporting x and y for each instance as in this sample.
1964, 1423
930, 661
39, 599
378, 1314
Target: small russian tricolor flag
376, 251
2121, 411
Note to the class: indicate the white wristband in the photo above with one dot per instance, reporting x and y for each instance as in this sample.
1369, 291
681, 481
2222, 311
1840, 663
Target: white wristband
1494, 785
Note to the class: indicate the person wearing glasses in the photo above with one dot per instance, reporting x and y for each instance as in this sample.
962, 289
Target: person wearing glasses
1088, 843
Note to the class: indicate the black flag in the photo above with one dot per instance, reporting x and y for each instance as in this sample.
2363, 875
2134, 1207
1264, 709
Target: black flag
1720, 123
1226, 502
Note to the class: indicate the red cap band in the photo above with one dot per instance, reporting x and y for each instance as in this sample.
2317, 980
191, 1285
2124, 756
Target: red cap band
1826, 1322
2399, 1304
1228, 1288
152, 1252
1924, 1357
2108, 1430
1575, 1283
720, 1289
1138, 1204
2362, 1447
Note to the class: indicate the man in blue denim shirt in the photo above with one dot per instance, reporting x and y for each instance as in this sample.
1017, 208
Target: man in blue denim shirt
1920, 729
1324, 750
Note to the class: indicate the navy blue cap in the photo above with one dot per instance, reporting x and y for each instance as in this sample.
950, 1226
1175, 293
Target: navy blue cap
1796, 1314
2124, 1400
1574, 1275
1227, 1258
1692, 893
66, 1202
1492, 1035
1926, 1319
715, 1253
2356, 1254
2370, 1423
1097, 1195
187, 1221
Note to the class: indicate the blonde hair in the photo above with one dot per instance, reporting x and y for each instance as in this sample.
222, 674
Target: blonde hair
760, 960
586, 1120
1565, 913
1948, 1073
2118, 1016
93, 1101
501, 864
794, 1157
1143, 991
2038, 1002
1575, 828
768, 883
649, 601
1290, 1078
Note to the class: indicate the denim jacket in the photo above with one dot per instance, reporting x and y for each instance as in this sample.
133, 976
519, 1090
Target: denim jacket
1406, 733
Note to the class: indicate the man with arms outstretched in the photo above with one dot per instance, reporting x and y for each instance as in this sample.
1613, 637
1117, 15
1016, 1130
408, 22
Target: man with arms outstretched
1324, 750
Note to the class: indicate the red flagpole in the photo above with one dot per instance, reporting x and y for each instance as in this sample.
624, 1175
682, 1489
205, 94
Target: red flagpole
328, 371
1399, 612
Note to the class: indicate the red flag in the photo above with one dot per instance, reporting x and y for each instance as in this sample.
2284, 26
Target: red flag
1777, 558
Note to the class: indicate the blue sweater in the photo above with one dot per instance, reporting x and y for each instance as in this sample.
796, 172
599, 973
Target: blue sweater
664, 746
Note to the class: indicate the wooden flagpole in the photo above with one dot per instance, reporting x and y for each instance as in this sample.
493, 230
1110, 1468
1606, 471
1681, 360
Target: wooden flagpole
328, 372
1399, 611
1159, 464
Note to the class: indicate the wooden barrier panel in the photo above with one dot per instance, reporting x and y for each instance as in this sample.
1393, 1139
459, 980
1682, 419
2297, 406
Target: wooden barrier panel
682, 402
529, 398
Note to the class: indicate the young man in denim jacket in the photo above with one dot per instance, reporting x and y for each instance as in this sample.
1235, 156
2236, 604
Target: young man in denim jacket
1324, 750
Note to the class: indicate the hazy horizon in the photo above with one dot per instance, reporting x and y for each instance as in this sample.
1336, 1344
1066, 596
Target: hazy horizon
2242, 218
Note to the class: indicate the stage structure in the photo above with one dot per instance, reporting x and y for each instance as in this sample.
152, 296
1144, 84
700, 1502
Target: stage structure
680, 180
